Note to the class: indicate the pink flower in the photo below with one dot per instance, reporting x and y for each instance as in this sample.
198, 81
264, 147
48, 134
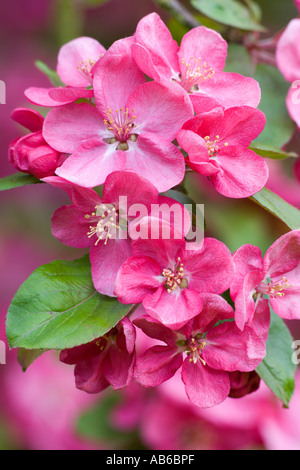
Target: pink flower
277, 276
131, 127
211, 353
76, 62
169, 279
101, 223
216, 143
288, 62
197, 65
108, 360
31, 153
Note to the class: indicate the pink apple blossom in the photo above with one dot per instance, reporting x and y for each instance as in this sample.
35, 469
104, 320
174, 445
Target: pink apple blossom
211, 352
76, 62
31, 153
197, 65
131, 127
108, 360
169, 279
217, 146
276, 275
102, 223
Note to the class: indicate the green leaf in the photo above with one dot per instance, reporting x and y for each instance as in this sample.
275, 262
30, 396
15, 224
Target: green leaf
58, 307
27, 356
229, 12
277, 369
96, 423
267, 151
93, 3
17, 180
278, 207
279, 127
239, 60
51, 74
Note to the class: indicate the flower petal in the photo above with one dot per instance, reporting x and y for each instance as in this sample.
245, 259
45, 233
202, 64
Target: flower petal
106, 260
157, 365
243, 172
67, 127
205, 387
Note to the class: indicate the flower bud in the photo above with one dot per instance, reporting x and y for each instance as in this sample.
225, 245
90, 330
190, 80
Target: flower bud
31, 153
243, 383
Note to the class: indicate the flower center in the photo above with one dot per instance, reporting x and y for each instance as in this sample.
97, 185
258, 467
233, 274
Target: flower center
212, 145
174, 278
194, 71
121, 124
194, 347
85, 67
106, 219
274, 288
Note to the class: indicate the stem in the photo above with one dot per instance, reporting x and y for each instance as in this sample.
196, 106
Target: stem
179, 12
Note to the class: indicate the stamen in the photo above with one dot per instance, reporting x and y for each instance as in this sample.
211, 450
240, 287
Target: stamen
274, 288
194, 348
106, 224
194, 72
121, 124
212, 146
174, 278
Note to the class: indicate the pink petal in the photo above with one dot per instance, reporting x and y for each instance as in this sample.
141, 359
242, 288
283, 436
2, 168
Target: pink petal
160, 110
70, 94
136, 278
28, 118
70, 227
67, 127
129, 184
118, 367
284, 255
230, 89
155, 329
41, 97
89, 376
175, 308
106, 261
92, 162
244, 301
206, 44
209, 267
80, 353
245, 259
116, 76
261, 320
243, 172
154, 36
126, 337
70, 57
157, 160
230, 349
164, 251
157, 365
287, 51
198, 157
215, 308
205, 387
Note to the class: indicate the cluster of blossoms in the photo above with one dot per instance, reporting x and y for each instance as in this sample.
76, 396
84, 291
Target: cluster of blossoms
127, 135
